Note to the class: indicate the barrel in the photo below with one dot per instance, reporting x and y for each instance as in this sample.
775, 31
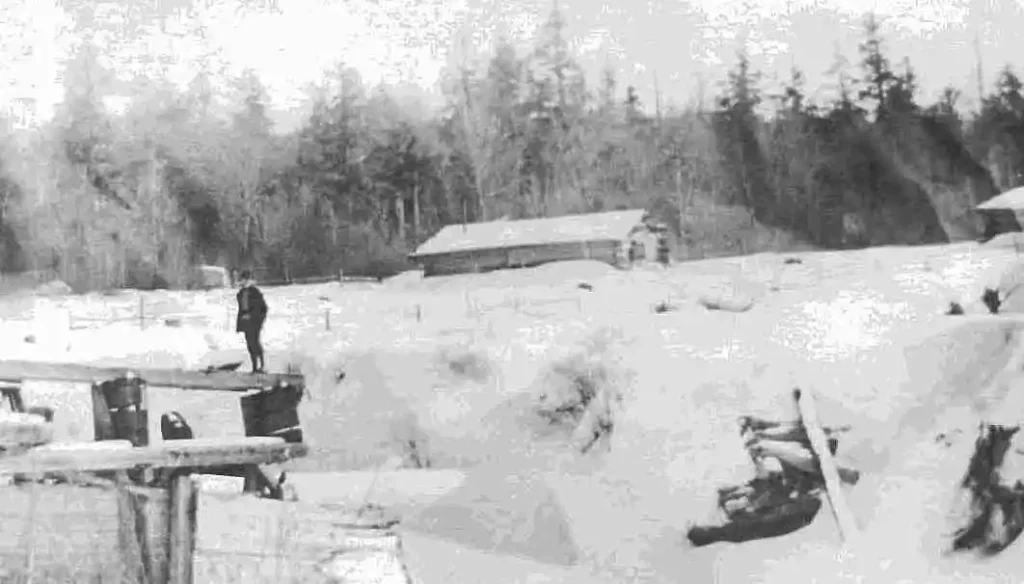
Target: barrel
124, 399
274, 412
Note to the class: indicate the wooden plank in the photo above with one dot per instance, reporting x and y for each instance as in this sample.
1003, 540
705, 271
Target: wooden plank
152, 506
16, 371
260, 541
131, 546
809, 416
196, 453
72, 531
103, 425
794, 454
183, 493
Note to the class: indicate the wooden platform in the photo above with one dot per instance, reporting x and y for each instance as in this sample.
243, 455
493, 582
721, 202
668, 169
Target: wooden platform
172, 454
146, 535
17, 371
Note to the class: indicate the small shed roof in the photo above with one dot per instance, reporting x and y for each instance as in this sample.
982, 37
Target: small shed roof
1011, 200
526, 232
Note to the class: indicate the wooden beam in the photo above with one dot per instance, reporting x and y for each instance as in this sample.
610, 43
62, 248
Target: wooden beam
16, 371
183, 493
809, 416
198, 453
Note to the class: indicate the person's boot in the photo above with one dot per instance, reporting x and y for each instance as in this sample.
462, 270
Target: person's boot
255, 363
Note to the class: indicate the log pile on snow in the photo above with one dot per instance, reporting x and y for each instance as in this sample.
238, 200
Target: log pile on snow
795, 470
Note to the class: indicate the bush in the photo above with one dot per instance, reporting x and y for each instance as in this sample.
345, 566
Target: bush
412, 441
580, 391
466, 363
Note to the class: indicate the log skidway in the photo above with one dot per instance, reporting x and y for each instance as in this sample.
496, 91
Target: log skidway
17, 371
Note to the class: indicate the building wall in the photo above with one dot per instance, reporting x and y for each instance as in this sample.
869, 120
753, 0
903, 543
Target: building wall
649, 241
485, 260
999, 221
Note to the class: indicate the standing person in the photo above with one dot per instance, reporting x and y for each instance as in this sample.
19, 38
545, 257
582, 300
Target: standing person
252, 312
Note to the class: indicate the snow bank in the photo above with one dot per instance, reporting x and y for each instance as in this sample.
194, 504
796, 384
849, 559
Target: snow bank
448, 370
904, 501
467, 396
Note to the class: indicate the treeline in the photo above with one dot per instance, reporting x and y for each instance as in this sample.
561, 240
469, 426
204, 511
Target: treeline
136, 197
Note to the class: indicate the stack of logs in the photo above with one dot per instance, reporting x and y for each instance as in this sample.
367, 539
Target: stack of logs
794, 469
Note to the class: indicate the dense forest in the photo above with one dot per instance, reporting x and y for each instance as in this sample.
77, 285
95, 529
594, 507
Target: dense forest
129, 198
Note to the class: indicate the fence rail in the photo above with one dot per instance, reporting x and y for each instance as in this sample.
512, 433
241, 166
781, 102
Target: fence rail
147, 311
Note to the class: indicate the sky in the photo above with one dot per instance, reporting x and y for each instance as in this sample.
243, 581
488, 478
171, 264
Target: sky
678, 50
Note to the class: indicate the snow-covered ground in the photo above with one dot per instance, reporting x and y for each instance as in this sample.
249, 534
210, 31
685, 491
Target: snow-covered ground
455, 364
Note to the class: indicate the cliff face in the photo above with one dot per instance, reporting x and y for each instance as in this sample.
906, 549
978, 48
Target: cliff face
840, 181
931, 156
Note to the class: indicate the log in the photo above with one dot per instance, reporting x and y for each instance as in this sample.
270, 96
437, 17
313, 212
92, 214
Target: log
198, 453
819, 444
793, 432
217, 380
726, 304
797, 456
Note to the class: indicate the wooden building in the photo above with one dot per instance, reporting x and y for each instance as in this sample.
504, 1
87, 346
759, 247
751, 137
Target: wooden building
1001, 214
496, 245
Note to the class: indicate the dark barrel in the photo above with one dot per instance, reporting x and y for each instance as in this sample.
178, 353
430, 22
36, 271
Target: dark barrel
274, 412
124, 400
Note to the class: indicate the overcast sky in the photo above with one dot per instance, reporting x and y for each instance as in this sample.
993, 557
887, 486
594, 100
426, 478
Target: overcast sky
677, 46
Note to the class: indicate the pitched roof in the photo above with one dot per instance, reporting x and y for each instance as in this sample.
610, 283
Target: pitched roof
565, 229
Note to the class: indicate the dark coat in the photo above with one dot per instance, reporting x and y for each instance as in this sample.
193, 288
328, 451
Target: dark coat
251, 303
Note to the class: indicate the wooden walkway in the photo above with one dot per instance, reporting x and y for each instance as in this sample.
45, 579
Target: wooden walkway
18, 371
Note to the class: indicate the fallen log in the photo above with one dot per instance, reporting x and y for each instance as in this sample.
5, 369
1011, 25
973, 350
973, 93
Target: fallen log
777, 430
798, 456
793, 432
726, 304
809, 416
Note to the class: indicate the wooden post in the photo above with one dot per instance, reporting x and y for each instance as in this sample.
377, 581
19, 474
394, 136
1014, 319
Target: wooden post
103, 425
419, 313
142, 312
819, 443
132, 545
327, 319
33, 503
182, 495
151, 508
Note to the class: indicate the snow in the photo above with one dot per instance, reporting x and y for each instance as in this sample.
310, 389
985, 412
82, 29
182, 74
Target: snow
455, 364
